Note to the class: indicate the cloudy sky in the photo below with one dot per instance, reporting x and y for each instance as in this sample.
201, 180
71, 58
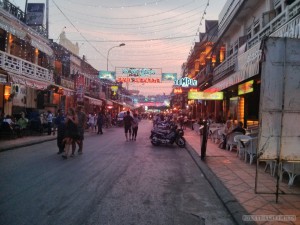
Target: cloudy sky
156, 33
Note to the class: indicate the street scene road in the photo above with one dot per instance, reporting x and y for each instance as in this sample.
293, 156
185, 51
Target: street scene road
112, 182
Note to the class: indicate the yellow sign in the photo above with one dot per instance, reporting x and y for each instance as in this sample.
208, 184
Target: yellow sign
205, 95
245, 88
114, 88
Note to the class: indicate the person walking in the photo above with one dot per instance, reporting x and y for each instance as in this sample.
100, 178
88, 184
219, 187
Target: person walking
81, 123
127, 124
91, 122
49, 121
100, 121
135, 126
60, 124
71, 131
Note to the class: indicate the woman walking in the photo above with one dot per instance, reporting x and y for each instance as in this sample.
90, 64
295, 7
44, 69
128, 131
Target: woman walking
71, 131
135, 126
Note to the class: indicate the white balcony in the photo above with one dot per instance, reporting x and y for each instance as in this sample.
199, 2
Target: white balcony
25, 68
280, 22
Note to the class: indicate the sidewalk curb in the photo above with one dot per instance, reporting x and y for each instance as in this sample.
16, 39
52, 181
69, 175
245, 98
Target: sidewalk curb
11, 147
236, 210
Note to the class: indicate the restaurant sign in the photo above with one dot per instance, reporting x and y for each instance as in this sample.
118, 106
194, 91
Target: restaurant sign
138, 80
205, 96
186, 82
245, 88
178, 91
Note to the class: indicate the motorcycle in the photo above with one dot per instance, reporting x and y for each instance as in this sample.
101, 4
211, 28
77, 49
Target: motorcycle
174, 135
162, 128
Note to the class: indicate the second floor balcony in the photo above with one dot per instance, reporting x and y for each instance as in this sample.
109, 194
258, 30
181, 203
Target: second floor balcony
21, 67
283, 25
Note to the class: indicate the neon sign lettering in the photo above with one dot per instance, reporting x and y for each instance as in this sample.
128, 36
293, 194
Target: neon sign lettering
137, 80
133, 72
185, 82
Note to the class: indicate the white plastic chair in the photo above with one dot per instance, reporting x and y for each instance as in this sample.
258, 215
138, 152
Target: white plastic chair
241, 146
251, 149
215, 136
292, 169
230, 143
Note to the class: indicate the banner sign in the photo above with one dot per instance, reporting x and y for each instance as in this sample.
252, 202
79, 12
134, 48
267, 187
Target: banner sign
110, 75
138, 80
35, 14
79, 87
205, 96
168, 76
138, 72
135, 72
185, 82
245, 88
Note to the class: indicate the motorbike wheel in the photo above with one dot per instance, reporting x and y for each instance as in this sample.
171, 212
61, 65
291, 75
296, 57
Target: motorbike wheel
181, 142
154, 141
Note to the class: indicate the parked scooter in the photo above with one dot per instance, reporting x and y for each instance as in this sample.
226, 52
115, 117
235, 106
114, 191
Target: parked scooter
173, 135
162, 128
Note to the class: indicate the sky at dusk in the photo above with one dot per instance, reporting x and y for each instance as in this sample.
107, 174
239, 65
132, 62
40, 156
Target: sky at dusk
156, 33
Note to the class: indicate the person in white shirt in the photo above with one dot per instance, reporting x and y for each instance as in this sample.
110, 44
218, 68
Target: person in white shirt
49, 121
91, 122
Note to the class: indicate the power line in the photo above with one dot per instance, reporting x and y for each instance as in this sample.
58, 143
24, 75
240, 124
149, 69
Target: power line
120, 7
78, 30
139, 24
132, 18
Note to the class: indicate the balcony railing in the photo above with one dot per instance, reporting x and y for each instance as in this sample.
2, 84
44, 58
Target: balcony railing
227, 14
13, 10
20, 15
230, 63
285, 16
22, 67
228, 66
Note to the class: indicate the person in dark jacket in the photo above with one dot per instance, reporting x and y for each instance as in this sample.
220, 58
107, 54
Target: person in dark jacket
239, 128
100, 121
60, 124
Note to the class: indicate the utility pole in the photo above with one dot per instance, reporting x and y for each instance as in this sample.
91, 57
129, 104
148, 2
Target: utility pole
47, 18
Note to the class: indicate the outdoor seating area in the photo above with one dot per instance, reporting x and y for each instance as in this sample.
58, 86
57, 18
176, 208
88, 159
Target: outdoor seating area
12, 131
245, 147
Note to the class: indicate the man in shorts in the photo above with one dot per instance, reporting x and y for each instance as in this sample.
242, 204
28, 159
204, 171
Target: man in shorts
127, 124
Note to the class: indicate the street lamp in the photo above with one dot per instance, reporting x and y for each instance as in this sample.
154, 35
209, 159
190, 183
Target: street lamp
120, 45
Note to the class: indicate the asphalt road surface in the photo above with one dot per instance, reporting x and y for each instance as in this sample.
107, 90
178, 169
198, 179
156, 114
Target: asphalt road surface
114, 182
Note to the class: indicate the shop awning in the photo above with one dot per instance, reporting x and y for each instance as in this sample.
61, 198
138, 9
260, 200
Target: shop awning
65, 91
94, 101
35, 84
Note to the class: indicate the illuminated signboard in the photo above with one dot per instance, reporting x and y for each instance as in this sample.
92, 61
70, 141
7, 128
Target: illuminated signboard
168, 76
137, 80
186, 82
193, 89
245, 88
107, 75
177, 91
205, 95
136, 72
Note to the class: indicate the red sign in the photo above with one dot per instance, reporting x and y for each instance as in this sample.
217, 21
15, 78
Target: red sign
138, 80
